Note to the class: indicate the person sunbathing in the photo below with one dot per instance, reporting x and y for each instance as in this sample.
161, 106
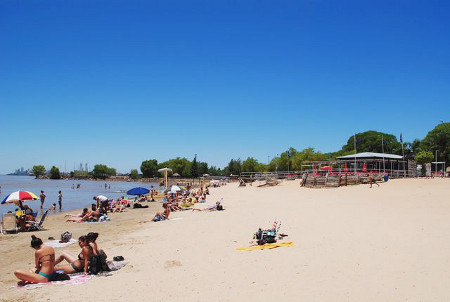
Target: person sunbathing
84, 216
76, 265
216, 207
173, 206
45, 264
120, 208
163, 215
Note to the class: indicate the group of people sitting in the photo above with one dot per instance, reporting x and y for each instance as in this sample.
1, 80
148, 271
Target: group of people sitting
88, 215
47, 268
24, 216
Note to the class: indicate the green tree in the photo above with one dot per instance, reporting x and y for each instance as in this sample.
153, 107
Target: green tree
54, 173
308, 154
134, 174
234, 167
250, 165
438, 139
149, 168
202, 168
178, 165
103, 171
194, 167
213, 170
371, 141
38, 170
423, 158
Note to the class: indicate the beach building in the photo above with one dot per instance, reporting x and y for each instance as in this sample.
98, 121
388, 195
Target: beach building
366, 162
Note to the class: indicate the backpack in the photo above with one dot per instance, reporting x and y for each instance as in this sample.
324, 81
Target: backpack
95, 265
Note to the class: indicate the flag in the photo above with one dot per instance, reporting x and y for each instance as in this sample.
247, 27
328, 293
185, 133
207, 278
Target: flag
401, 138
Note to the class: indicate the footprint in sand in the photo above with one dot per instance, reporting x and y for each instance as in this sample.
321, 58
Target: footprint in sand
172, 263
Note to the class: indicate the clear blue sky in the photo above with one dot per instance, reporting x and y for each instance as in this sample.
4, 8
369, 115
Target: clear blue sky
119, 82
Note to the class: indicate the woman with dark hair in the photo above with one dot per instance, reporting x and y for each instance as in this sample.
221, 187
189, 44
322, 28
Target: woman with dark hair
45, 264
163, 215
91, 238
76, 265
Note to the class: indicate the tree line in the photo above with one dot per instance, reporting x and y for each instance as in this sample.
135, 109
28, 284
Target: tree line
423, 151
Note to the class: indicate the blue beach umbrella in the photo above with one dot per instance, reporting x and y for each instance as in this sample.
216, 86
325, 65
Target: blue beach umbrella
138, 191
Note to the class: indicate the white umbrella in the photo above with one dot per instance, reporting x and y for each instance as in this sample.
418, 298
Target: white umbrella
175, 188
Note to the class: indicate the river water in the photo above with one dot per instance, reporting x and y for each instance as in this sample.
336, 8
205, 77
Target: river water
72, 198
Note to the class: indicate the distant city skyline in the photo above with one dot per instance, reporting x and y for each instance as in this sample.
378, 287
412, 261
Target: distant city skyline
117, 83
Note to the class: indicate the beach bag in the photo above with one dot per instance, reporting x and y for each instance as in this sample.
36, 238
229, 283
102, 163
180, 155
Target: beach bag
66, 236
219, 207
59, 277
95, 265
104, 263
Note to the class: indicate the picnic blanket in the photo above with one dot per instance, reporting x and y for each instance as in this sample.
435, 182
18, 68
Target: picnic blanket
56, 243
266, 246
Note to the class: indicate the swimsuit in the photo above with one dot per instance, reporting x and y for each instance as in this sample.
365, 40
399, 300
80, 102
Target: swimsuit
45, 275
78, 269
48, 276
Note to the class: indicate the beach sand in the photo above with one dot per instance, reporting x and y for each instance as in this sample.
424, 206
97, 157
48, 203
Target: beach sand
388, 243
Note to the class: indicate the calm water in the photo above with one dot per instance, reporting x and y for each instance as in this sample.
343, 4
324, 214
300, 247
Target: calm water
72, 198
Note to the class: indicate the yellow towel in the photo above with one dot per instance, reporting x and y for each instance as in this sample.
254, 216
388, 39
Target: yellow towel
266, 246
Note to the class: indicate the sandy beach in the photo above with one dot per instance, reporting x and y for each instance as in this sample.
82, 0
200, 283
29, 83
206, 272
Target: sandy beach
388, 243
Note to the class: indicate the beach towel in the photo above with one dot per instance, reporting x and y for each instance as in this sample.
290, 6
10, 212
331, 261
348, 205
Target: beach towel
79, 278
56, 243
266, 246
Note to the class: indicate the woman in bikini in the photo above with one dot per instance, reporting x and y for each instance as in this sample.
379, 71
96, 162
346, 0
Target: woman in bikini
164, 215
45, 264
76, 265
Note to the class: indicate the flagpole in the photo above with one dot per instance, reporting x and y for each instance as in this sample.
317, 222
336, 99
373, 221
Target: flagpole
354, 142
382, 148
403, 156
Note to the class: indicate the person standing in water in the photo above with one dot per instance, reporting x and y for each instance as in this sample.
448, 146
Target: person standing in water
60, 200
42, 196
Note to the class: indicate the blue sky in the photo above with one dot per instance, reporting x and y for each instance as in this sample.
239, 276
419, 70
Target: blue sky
119, 82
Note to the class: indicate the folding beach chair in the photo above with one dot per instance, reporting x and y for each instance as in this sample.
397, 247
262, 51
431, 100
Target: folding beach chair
9, 223
37, 226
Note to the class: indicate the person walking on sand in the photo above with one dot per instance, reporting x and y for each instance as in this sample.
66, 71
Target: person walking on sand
60, 200
372, 180
42, 199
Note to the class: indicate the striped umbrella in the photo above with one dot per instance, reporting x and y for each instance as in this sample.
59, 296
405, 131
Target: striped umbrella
19, 195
